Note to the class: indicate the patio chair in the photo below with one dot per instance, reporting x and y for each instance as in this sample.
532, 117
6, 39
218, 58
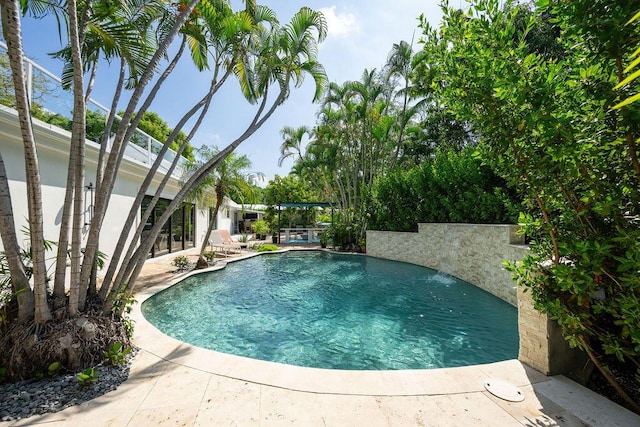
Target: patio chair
216, 241
228, 240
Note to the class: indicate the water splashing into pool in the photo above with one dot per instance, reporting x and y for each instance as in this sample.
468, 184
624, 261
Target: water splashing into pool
337, 311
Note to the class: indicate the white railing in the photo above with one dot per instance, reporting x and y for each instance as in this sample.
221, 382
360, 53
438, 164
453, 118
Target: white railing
45, 90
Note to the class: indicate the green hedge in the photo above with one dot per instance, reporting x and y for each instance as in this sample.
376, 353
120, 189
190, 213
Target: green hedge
452, 187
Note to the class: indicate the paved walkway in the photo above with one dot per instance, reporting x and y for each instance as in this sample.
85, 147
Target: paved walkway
175, 384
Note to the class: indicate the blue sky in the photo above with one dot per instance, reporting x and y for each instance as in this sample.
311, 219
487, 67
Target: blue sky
361, 34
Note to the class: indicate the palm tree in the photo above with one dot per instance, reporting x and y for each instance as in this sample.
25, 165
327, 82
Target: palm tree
351, 144
292, 142
230, 177
127, 126
13, 35
249, 44
284, 56
17, 274
226, 32
399, 65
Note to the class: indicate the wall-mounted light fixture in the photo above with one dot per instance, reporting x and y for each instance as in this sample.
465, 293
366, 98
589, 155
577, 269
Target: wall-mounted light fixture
88, 210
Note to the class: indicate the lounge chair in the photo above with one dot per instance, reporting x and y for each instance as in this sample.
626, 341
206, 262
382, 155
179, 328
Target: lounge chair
228, 240
216, 240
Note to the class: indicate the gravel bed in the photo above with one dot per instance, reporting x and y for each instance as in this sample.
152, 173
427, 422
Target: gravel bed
31, 397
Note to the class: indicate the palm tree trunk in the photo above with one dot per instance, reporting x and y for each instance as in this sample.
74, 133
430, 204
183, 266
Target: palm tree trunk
205, 241
135, 264
19, 280
77, 292
126, 127
106, 135
133, 212
59, 292
13, 34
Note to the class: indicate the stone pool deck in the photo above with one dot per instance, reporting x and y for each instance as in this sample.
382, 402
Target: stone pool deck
175, 384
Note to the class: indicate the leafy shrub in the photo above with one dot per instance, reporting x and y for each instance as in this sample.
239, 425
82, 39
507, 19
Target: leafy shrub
117, 354
452, 187
123, 304
52, 370
180, 262
267, 247
260, 227
87, 377
209, 255
341, 233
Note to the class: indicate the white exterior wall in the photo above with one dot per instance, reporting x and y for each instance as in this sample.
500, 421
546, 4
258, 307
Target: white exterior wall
225, 219
53, 149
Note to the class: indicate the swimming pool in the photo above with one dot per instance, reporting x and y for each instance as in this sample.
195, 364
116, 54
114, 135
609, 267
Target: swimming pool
336, 311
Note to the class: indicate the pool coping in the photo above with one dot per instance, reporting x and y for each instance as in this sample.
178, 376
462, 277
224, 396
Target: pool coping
316, 380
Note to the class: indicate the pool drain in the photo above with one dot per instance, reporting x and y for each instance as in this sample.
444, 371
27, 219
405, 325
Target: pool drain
504, 390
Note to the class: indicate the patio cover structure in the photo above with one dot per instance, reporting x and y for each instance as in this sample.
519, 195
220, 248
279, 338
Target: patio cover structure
304, 205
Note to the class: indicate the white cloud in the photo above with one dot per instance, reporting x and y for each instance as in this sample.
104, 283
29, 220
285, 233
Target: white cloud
341, 25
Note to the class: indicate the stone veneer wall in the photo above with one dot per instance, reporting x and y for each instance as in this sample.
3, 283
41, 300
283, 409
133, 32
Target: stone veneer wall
471, 252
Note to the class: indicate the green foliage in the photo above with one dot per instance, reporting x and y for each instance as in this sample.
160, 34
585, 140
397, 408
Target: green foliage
181, 262
438, 130
95, 121
325, 237
52, 370
123, 304
452, 187
342, 233
154, 126
547, 126
52, 118
209, 255
117, 354
290, 188
87, 377
267, 247
26, 255
260, 227
151, 124
635, 56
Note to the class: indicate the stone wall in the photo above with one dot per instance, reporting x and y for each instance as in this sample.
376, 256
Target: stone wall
471, 252
475, 253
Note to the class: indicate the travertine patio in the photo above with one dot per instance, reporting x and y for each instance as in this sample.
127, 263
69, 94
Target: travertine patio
172, 383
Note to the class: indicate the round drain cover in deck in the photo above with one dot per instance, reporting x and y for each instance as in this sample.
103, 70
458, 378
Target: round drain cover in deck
504, 390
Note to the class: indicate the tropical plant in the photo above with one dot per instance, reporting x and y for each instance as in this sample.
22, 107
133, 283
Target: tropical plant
450, 187
260, 227
230, 179
365, 127
267, 247
266, 58
291, 188
156, 127
546, 124
117, 353
181, 262
209, 255
52, 370
292, 142
87, 377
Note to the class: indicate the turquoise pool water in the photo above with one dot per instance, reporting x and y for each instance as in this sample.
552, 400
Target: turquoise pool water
337, 311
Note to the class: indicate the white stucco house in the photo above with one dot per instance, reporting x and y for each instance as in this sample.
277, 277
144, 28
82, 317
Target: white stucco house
186, 227
184, 230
